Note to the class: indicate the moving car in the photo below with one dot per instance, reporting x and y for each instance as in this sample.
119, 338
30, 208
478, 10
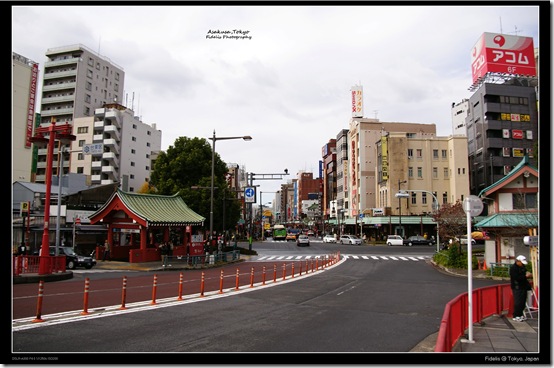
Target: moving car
329, 239
463, 240
350, 239
303, 240
292, 234
72, 259
418, 240
395, 240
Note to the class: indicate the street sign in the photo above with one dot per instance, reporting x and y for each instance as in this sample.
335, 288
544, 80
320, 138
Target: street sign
473, 205
93, 149
250, 195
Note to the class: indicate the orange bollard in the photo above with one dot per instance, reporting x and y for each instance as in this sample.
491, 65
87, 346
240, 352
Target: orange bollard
307, 268
252, 277
221, 283
292, 270
123, 293
300, 268
85, 299
202, 285
39, 302
312, 263
274, 273
284, 271
237, 282
154, 288
263, 275
317, 264
180, 296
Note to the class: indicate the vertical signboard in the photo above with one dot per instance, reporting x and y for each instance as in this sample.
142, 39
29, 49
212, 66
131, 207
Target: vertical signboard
384, 158
31, 106
500, 53
357, 102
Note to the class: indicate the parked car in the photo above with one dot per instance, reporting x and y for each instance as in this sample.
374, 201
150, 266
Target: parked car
350, 239
329, 239
418, 240
303, 240
395, 240
72, 259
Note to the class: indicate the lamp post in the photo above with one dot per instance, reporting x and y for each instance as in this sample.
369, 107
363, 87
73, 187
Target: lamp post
400, 209
213, 139
406, 195
55, 132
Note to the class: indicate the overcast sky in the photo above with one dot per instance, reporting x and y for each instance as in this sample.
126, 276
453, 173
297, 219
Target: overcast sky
287, 83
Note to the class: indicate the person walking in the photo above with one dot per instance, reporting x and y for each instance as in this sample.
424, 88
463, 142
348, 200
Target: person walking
106, 251
520, 286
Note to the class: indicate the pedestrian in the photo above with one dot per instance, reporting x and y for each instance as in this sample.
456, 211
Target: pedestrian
106, 251
164, 249
520, 286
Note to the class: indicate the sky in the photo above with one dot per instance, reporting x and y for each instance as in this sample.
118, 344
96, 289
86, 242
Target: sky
285, 79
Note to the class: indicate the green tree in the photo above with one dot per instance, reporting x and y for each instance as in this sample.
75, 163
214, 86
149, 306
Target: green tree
188, 163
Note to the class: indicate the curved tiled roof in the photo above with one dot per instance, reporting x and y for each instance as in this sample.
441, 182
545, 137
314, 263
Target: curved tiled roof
160, 210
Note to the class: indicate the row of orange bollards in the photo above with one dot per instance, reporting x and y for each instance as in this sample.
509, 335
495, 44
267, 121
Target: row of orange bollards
325, 262
481, 266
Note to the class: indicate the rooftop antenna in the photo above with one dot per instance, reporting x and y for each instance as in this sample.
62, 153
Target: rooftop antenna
500, 25
516, 31
375, 112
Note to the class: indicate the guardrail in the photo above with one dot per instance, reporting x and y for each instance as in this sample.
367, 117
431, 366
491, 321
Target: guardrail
487, 301
30, 264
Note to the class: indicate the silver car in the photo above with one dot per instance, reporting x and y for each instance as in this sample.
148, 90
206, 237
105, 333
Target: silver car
329, 239
303, 240
350, 239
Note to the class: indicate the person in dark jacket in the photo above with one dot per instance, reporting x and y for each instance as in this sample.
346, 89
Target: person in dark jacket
520, 286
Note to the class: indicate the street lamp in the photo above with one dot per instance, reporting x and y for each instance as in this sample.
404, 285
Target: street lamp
60, 133
406, 195
400, 208
213, 139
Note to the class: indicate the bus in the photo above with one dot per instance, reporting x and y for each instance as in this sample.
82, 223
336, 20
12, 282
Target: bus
279, 232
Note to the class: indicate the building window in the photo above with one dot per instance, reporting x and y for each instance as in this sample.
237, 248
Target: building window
148, 133
435, 172
81, 143
410, 172
147, 167
89, 73
445, 198
134, 139
443, 152
147, 155
414, 198
134, 126
410, 153
420, 172
132, 176
423, 198
446, 172
80, 156
436, 154
82, 130
132, 163
419, 152
133, 151
523, 201
90, 61
147, 144
131, 189
80, 170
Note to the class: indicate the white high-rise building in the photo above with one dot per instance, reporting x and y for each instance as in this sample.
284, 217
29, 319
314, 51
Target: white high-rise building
76, 81
120, 147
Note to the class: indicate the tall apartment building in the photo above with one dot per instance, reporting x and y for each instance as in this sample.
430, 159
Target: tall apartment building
307, 186
329, 176
119, 147
24, 95
342, 192
76, 81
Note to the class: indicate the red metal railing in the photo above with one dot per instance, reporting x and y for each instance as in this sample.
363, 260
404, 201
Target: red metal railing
487, 301
30, 264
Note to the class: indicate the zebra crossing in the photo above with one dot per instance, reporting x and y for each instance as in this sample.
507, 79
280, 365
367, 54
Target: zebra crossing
344, 256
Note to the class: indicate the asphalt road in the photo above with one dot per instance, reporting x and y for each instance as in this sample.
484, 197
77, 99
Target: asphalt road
361, 305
